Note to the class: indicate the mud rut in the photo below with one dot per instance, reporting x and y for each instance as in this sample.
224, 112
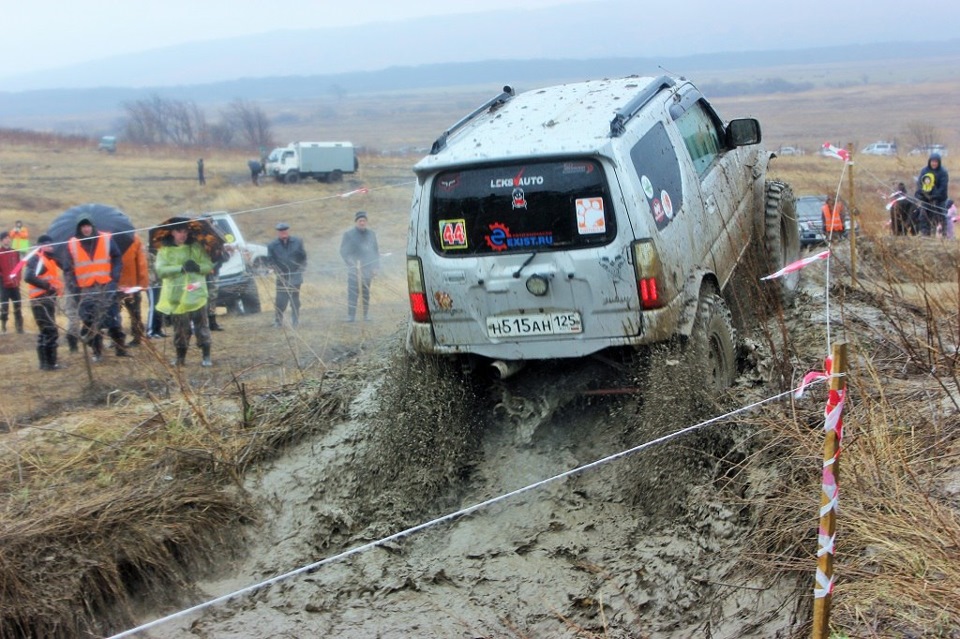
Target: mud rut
641, 547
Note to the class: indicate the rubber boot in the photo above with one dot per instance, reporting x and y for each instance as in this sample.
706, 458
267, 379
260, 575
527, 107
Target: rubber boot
214, 326
52, 358
73, 343
97, 345
18, 322
207, 362
42, 356
3, 326
181, 356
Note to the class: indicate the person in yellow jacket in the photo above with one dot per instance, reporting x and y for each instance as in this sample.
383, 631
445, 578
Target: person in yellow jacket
20, 238
182, 265
44, 279
134, 280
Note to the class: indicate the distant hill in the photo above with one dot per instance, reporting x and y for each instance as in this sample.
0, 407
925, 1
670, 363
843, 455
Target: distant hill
765, 71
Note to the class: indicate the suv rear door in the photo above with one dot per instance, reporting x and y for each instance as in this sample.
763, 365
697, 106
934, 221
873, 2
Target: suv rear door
525, 250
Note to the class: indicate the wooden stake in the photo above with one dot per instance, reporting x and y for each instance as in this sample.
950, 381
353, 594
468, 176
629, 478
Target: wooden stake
823, 591
851, 202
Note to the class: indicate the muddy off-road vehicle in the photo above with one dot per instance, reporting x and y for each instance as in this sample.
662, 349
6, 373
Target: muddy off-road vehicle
566, 220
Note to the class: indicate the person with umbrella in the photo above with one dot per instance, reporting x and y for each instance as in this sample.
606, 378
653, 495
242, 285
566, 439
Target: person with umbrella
92, 269
182, 265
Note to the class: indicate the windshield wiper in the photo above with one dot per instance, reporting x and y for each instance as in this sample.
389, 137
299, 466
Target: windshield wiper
524, 265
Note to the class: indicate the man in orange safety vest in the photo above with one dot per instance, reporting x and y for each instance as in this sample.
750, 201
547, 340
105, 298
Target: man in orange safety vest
92, 270
831, 214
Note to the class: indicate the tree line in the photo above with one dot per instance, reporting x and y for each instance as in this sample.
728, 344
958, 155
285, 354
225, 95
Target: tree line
155, 120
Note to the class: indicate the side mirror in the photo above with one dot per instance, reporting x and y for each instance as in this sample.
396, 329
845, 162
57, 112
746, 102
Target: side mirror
742, 132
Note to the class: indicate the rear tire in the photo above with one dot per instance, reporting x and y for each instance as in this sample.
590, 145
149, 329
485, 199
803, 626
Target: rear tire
712, 342
781, 237
336, 176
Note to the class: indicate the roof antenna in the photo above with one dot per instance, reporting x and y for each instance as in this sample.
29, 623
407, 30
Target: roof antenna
669, 72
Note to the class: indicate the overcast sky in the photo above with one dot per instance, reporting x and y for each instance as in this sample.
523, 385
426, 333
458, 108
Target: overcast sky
39, 35
43, 35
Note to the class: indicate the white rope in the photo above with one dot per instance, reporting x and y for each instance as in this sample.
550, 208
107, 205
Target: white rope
448, 517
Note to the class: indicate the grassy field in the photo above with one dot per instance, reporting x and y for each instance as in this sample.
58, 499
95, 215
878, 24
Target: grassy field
88, 451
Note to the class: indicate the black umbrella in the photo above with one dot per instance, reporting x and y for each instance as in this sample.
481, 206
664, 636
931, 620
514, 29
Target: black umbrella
104, 218
201, 230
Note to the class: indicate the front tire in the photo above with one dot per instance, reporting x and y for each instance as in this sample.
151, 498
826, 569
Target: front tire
292, 177
250, 297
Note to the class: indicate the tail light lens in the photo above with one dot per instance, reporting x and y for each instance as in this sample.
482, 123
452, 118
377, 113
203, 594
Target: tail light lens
418, 296
649, 273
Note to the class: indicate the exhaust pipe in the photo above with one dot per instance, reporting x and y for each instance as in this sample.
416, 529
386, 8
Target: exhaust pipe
502, 369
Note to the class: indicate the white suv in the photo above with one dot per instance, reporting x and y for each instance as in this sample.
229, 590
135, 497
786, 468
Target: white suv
880, 148
566, 220
237, 276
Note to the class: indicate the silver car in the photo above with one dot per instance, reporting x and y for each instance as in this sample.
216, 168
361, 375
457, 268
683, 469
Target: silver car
567, 220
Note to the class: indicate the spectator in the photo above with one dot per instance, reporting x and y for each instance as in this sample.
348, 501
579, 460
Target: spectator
255, 170
182, 265
202, 180
10, 288
832, 218
155, 319
900, 211
134, 279
92, 271
289, 259
44, 279
359, 250
931, 194
20, 238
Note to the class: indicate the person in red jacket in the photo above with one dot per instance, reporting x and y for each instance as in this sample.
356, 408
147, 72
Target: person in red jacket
10, 287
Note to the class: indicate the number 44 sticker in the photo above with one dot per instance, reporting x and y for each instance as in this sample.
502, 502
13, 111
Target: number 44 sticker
453, 234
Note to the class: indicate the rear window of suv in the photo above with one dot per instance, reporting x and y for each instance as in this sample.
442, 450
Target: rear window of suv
523, 207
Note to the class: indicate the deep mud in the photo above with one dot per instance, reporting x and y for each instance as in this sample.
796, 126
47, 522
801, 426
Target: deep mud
646, 545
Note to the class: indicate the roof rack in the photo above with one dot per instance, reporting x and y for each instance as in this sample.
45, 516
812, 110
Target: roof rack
618, 125
493, 103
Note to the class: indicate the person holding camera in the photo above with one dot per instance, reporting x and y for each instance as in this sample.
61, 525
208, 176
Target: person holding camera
182, 265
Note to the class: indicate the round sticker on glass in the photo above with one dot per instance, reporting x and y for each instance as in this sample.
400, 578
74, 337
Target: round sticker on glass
647, 187
667, 204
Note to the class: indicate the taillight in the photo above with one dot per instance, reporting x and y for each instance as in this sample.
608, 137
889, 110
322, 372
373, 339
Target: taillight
649, 273
418, 296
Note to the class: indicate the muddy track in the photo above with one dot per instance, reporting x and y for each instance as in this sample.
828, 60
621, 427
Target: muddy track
643, 546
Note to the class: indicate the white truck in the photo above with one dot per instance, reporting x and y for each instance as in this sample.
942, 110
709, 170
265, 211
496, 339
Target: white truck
323, 161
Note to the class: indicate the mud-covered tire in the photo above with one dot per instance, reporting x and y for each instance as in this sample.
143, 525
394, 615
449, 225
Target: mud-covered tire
712, 344
292, 177
250, 297
781, 236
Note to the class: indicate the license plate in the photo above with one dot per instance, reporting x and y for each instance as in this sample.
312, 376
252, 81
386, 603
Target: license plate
532, 324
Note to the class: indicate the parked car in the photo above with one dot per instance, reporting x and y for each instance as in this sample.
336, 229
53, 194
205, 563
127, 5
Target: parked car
237, 277
880, 148
929, 150
790, 150
810, 220
108, 143
566, 220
